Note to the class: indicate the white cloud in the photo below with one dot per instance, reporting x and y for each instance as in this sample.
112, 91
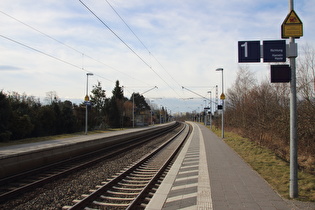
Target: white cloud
189, 38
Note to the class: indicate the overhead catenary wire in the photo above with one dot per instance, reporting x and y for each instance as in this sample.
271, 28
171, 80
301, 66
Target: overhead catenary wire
68, 46
62, 59
41, 51
77, 51
51, 56
113, 32
201, 96
127, 25
81, 67
132, 50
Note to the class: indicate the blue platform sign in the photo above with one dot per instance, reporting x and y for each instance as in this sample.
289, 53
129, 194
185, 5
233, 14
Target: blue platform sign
274, 51
248, 51
87, 103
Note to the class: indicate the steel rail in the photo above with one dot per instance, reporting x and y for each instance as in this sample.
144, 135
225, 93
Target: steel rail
139, 199
56, 175
153, 177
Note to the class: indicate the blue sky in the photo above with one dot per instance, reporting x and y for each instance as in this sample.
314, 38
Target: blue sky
185, 41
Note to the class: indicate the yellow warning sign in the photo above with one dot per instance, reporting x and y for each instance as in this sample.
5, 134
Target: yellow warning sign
222, 96
86, 98
292, 18
292, 26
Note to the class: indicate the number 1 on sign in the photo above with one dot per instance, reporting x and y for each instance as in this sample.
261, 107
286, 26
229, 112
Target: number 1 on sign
246, 49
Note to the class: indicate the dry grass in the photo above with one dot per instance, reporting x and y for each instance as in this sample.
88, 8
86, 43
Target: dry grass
273, 169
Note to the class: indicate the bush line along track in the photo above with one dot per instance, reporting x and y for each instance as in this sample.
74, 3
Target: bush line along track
60, 169
130, 188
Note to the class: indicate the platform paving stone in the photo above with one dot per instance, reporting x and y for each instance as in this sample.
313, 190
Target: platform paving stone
208, 174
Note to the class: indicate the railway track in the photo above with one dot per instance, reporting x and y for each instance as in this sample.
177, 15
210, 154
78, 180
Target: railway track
27, 181
132, 188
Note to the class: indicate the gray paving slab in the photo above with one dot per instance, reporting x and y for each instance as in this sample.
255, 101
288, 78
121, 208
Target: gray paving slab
234, 184
224, 180
187, 183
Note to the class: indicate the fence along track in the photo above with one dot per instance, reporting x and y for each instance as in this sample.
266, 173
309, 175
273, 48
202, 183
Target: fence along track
129, 188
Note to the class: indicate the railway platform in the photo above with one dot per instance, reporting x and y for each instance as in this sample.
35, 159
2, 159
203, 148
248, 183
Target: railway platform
15, 150
16, 159
208, 174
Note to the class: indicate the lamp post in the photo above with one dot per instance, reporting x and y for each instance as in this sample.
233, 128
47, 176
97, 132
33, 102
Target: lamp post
86, 102
150, 111
165, 110
160, 114
133, 109
204, 113
222, 98
210, 104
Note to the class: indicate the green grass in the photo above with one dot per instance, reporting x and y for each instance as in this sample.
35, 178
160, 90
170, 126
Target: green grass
273, 169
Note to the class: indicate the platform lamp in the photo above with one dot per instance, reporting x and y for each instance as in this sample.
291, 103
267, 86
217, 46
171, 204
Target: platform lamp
87, 102
222, 98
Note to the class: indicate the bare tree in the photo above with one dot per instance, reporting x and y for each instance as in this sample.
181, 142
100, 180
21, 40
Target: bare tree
238, 95
306, 73
51, 96
306, 105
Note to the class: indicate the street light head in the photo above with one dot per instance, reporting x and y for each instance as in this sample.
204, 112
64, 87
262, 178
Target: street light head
89, 74
219, 69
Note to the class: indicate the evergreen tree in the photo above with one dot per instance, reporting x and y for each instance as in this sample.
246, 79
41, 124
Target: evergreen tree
68, 119
98, 100
5, 113
140, 103
118, 92
116, 103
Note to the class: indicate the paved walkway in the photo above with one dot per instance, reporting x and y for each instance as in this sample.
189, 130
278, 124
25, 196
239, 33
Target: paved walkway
208, 174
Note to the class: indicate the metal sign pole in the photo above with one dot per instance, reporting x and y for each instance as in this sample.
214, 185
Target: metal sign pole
293, 120
250, 51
